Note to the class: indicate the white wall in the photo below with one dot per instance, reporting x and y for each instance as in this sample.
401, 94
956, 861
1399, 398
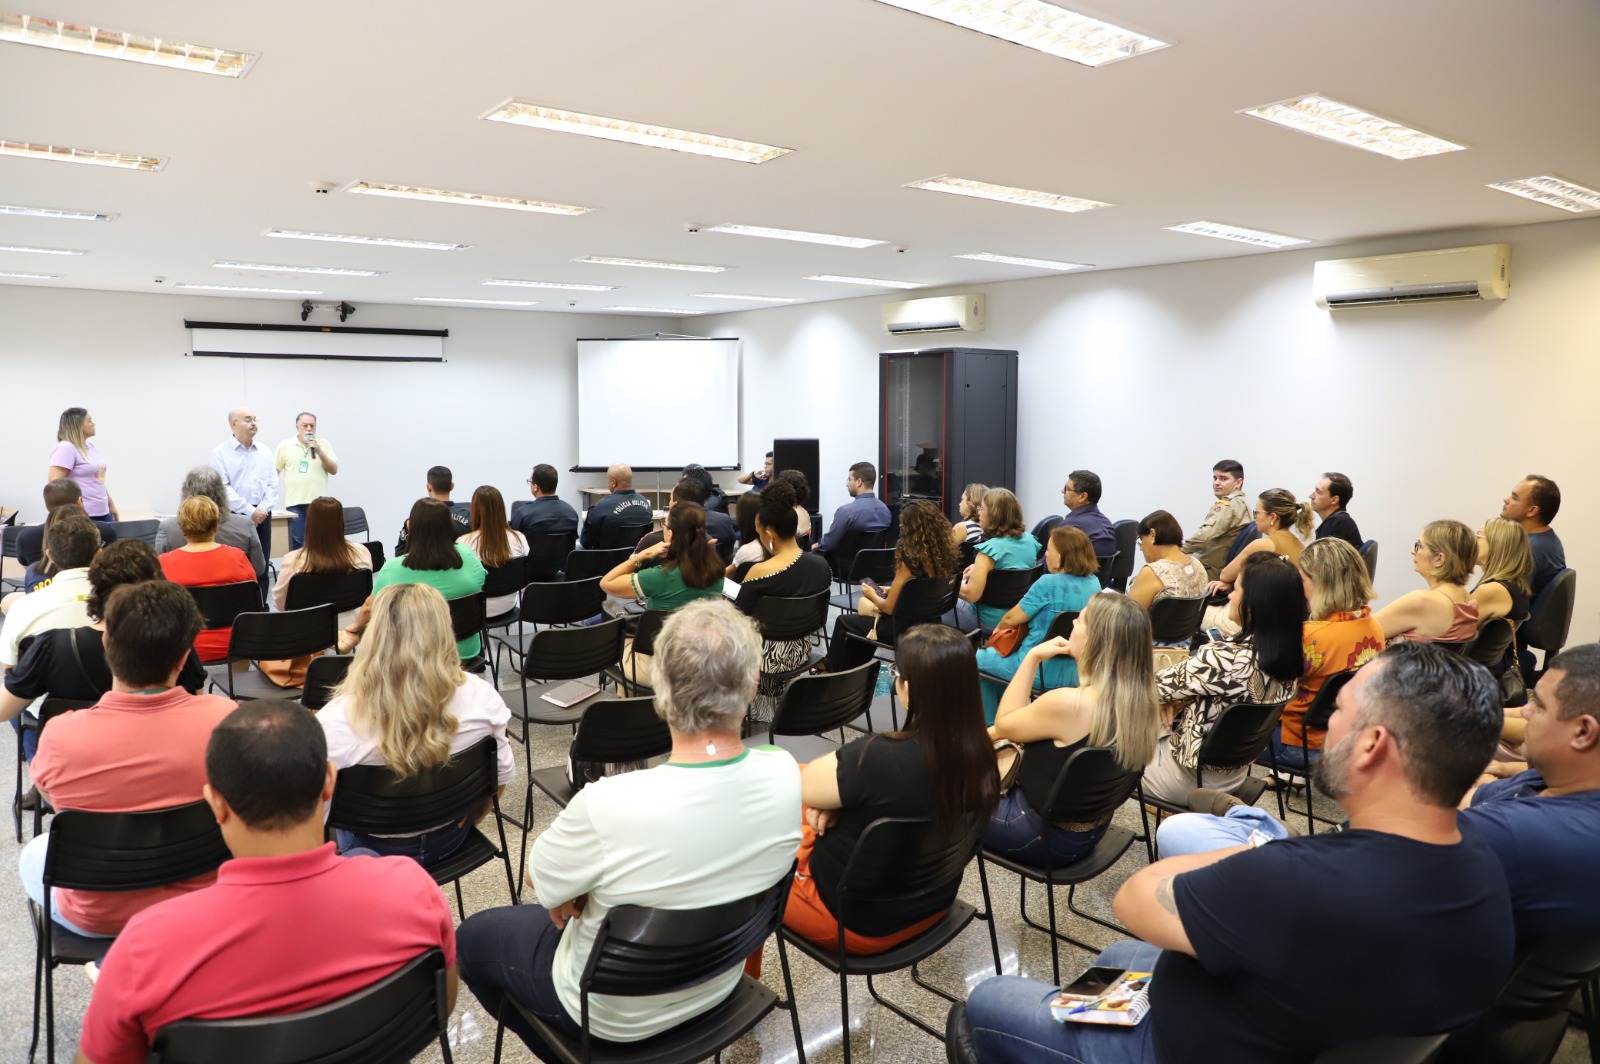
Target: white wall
1147, 376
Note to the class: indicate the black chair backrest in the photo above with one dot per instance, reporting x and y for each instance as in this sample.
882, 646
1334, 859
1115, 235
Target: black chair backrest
1061, 625
1547, 974
876, 563
1090, 786
562, 602
1004, 588
924, 600
1042, 530
145, 530
583, 564
547, 552
1395, 1049
221, 604
570, 653
355, 521
780, 618
132, 851
1127, 533
8, 541
393, 1019
371, 799
375, 549
1240, 733
850, 544
1369, 554
1488, 648
647, 628
290, 634
1247, 535
1550, 616
811, 705
507, 579
322, 676
624, 530
1107, 564
1174, 620
621, 729
519, 505
1324, 701
467, 615
342, 591
901, 859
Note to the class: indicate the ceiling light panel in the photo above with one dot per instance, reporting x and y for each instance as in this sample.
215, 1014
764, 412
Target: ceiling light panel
511, 282
1258, 237
748, 299
1020, 260
117, 44
870, 282
349, 238
1040, 26
529, 114
31, 276
1023, 197
1344, 124
656, 310
476, 199
794, 234
58, 213
482, 302
39, 251
257, 291
265, 267
1553, 191
650, 264
57, 154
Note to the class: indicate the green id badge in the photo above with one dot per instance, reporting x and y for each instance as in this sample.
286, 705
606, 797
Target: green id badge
305, 466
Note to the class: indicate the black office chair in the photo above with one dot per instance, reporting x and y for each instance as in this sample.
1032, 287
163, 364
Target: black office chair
547, 553
645, 629
49, 709
502, 580
1127, 533
898, 861
1004, 588
1550, 617
1527, 1023
467, 617
1239, 736
394, 1019
1315, 719
8, 549
812, 705
611, 731
342, 591
355, 524
924, 600
1042, 530
272, 637
1247, 535
144, 530
868, 563
1174, 621
112, 852
843, 557
375, 551
372, 800
1107, 564
639, 951
621, 531
221, 604
1369, 554
782, 619
322, 676
587, 564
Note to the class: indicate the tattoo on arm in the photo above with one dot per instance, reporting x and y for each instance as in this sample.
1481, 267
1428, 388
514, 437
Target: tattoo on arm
1164, 895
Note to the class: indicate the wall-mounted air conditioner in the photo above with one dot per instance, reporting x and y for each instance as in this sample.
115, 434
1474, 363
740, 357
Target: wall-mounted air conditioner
1445, 275
936, 314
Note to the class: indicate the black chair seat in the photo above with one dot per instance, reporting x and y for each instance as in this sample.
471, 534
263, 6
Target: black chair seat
475, 852
539, 711
554, 783
72, 948
894, 959
1107, 852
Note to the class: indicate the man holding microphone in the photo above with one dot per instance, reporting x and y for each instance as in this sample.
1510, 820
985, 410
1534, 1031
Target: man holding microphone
304, 463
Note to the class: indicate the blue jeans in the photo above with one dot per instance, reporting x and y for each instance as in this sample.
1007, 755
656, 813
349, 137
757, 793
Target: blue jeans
430, 847
1017, 831
1202, 832
510, 952
30, 739
297, 525
1289, 756
30, 866
1011, 1021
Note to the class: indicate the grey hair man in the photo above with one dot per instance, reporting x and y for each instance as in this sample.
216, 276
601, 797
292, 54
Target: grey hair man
236, 530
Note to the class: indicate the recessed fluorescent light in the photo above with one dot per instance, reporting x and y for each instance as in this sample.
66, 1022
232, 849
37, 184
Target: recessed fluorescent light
751, 299
1040, 26
794, 234
870, 282
1259, 237
1024, 197
32, 276
1019, 260
262, 291
115, 44
510, 282
332, 271
58, 213
57, 154
39, 251
529, 114
484, 302
650, 264
1553, 192
440, 195
346, 238
1340, 122
656, 310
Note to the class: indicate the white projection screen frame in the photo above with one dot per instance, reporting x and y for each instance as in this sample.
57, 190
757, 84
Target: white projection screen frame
229, 340
658, 403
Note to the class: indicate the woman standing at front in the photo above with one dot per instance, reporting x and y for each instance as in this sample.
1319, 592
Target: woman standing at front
77, 459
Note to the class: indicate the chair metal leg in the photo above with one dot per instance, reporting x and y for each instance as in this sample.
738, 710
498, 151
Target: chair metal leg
902, 1013
792, 1005
844, 1009
49, 993
1052, 930
499, 1033
38, 981
987, 916
522, 859
461, 908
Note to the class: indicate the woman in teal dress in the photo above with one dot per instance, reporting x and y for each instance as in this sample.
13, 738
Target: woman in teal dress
1007, 545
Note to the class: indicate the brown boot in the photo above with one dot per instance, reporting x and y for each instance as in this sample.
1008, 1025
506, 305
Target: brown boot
1217, 803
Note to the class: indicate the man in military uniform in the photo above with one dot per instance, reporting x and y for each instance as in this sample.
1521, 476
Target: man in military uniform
1229, 514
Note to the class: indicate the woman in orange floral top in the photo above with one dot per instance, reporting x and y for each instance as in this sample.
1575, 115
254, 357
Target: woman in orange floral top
1341, 635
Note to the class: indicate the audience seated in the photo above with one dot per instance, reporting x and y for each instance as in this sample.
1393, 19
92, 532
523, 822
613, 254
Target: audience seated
717, 822
1168, 572
1066, 587
440, 483
203, 562
1229, 514
546, 515
494, 541
722, 530
622, 499
235, 530
1507, 562
61, 491
751, 550
1329, 501
923, 552
865, 512
435, 559
1533, 503
1340, 635
71, 542
1006, 545
1444, 556
288, 925
969, 529
326, 551
1261, 664
1114, 705
689, 569
1255, 950
1081, 493
941, 766
406, 704
142, 746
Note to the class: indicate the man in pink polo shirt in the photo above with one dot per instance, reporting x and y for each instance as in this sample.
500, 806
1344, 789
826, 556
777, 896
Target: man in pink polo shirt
289, 925
142, 746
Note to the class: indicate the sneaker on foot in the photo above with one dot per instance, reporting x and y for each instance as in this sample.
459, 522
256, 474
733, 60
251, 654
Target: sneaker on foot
1217, 803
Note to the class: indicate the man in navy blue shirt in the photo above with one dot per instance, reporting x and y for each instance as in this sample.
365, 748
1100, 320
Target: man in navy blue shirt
546, 515
622, 500
1081, 493
1533, 503
865, 512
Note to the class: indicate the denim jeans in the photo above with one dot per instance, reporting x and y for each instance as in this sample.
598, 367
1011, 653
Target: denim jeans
297, 525
30, 739
1017, 831
30, 866
1202, 832
1011, 1021
430, 847
510, 952
1290, 755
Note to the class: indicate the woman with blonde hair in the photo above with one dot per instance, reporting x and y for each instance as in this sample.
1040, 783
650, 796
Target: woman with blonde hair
203, 562
77, 459
968, 529
1444, 555
1114, 705
1006, 545
1283, 524
1507, 563
407, 705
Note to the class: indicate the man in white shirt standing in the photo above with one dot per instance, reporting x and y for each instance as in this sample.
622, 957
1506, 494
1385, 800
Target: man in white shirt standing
303, 462
248, 476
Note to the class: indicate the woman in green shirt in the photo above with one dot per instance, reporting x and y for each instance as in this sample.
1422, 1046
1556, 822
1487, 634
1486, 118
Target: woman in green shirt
692, 569
433, 557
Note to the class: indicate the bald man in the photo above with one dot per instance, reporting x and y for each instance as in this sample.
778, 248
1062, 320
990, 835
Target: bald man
248, 475
619, 481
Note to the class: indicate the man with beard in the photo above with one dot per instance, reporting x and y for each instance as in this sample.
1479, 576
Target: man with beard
1255, 948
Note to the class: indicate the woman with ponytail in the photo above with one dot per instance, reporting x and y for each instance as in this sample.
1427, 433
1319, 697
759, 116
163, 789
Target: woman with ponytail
1284, 525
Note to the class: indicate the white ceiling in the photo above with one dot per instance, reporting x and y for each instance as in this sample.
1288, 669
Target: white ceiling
869, 96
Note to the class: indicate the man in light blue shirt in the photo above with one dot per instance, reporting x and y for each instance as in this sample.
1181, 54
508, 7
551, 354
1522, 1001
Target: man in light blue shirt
248, 475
